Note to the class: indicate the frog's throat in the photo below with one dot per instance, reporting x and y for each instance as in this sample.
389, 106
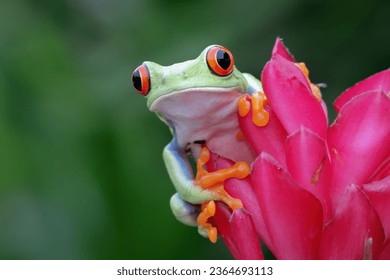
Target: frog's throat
153, 104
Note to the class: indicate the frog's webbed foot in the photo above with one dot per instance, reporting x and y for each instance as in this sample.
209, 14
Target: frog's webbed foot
213, 182
183, 211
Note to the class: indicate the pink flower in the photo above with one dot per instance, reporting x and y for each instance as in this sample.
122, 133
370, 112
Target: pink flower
315, 191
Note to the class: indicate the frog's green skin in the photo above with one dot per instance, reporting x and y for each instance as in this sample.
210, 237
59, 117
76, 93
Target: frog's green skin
199, 107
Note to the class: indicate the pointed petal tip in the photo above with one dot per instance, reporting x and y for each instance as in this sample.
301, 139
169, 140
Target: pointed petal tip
378, 82
305, 155
280, 49
303, 130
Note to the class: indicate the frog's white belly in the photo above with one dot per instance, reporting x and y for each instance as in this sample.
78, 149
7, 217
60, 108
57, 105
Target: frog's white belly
206, 114
220, 138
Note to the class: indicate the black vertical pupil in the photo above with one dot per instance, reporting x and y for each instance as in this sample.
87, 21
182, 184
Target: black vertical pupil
137, 80
223, 59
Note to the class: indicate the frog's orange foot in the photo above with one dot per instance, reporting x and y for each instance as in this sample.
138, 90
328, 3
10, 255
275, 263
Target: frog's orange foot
213, 182
208, 210
260, 117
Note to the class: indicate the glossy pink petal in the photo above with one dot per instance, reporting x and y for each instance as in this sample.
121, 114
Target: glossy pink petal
385, 255
379, 195
305, 156
379, 82
251, 223
280, 49
221, 221
290, 97
359, 141
292, 215
355, 231
325, 110
238, 233
382, 171
269, 138
245, 235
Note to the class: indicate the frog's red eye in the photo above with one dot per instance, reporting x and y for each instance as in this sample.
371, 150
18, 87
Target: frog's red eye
220, 60
141, 79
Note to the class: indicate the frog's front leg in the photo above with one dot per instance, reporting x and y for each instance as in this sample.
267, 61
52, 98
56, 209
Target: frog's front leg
181, 174
185, 204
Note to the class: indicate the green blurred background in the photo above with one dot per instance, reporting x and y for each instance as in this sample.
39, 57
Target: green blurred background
81, 172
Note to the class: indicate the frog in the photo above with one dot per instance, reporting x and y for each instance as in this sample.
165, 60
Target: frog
198, 100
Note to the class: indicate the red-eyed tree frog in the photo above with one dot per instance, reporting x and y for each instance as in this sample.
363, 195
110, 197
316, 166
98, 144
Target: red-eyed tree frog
198, 100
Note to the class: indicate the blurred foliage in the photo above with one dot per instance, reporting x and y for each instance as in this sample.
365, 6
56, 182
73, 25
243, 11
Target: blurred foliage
81, 172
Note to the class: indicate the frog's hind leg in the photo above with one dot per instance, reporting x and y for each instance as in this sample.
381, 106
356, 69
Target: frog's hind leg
195, 215
183, 211
214, 182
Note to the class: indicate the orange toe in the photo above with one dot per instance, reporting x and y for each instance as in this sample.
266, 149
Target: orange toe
208, 210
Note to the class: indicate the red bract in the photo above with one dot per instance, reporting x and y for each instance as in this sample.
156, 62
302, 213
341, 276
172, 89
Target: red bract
315, 191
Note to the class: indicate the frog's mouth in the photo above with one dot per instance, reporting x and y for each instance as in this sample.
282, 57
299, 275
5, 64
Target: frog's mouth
196, 104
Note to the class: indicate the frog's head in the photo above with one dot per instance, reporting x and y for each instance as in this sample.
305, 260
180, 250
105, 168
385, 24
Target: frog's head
211, 75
